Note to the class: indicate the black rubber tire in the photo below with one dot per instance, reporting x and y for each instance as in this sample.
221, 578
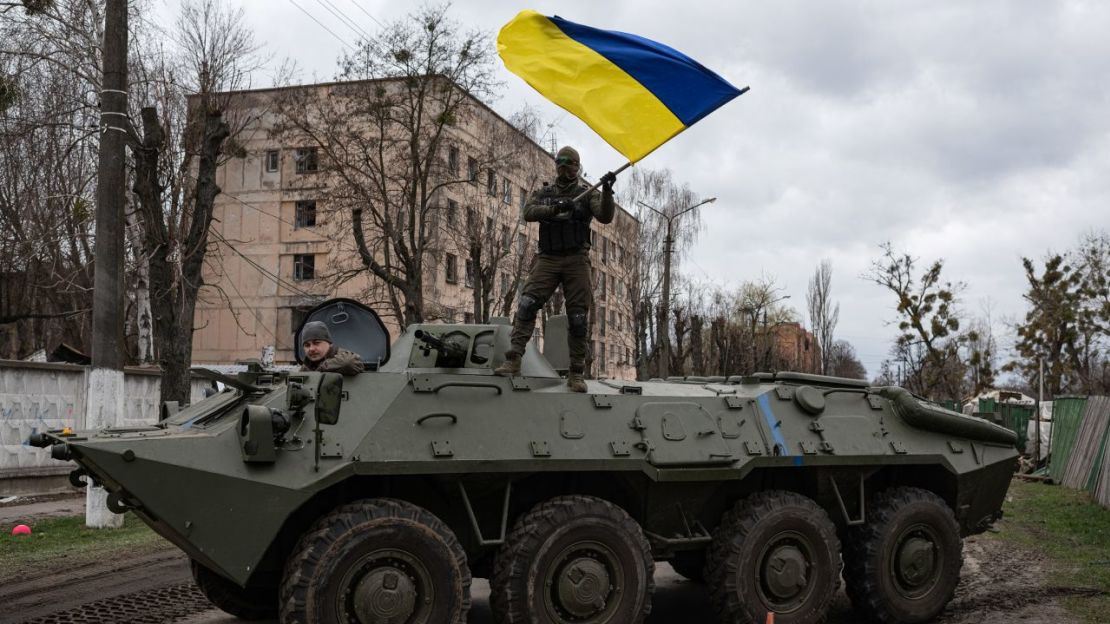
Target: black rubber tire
741, 547
252, 603
690, 564
518, 592
870, 548
348, 538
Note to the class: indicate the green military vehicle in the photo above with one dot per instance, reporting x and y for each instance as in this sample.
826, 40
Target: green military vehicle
375, 498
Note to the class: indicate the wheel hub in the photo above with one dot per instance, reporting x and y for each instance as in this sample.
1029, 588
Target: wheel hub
583, 587
916, 561
785, 571
385, 595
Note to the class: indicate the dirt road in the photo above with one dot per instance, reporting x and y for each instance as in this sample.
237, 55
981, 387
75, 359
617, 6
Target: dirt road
999, 585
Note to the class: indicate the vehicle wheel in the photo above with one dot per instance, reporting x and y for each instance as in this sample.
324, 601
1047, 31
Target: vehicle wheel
904, 564
690, 564
252, 603
377, 560
778, 552
573, 559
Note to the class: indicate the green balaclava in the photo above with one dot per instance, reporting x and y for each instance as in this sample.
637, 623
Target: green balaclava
567, 165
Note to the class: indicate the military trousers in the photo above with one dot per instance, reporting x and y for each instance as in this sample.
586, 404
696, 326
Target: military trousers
574, 274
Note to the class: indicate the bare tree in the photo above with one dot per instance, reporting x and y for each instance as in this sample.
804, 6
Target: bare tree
823, 314
844, 362
929, 345
49, 59
484, 225
382, 136
667, 198
175, 178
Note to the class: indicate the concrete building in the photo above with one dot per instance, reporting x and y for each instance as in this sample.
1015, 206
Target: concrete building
282, 244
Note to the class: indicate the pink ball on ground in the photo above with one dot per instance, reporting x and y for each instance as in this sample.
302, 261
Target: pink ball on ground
21, 529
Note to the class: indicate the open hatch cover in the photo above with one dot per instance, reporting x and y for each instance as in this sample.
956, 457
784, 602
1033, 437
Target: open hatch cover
353, 326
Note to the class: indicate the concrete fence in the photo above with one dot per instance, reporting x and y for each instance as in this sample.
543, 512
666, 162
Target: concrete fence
35, 396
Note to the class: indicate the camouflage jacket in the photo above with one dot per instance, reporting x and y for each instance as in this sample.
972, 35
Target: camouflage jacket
336, 361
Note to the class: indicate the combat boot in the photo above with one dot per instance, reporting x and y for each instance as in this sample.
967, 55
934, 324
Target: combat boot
575, 381
511, 366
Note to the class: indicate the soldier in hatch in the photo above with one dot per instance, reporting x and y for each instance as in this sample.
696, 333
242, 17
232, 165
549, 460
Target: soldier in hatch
564, 259
322, 355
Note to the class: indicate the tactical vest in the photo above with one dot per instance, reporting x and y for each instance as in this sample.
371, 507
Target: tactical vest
561, 237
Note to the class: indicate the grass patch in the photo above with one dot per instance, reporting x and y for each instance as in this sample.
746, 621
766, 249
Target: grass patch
67, 539
1073, 531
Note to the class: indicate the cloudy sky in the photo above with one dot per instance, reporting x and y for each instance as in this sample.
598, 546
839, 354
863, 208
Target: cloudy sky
976, 132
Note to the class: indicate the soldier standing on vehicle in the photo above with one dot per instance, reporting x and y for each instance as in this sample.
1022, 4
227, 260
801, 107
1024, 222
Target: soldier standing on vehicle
322, 355
564, 259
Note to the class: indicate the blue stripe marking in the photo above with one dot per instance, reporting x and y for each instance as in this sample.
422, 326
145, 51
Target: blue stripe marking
683, 85
772, 424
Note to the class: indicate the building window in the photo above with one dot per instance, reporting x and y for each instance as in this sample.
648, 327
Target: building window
304, 267
491, 183
601, 285
272, 160
506, 282
472, 169
601, 327
468, 317
506, 238
628, 356
453, 159
523, 198
604, 249
521, 243
305, 215
452, 213
307, 160
506, 191
601, 358
296, 317
452, 269
613, 321
470, 273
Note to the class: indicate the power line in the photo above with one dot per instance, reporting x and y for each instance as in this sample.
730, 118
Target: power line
313, 18
275, 217
359, 7
254, 313
261, 269
343, 17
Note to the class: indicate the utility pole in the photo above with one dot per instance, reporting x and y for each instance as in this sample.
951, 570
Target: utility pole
105, 394
1040, 402
665, 302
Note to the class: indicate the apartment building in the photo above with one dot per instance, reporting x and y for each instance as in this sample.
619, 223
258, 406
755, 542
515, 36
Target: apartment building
280, 248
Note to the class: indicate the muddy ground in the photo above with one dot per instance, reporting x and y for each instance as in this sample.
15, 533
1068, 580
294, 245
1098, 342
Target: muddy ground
999, 584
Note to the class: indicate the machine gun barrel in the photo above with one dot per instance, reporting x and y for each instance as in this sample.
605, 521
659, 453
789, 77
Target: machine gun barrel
446, 349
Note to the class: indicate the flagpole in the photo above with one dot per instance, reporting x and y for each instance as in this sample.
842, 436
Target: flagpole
594, 187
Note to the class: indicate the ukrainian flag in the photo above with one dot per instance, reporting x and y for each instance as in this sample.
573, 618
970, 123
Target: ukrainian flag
636, 93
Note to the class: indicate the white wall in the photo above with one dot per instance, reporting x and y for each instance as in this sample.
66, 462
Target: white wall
37, 396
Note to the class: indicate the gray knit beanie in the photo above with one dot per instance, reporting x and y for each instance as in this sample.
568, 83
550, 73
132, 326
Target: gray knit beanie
315, 330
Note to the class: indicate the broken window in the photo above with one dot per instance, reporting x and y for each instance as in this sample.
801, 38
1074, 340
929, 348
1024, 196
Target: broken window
306, 159
304, 267
305, 214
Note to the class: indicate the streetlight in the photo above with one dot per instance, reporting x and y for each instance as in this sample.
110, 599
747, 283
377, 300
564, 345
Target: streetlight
664, 316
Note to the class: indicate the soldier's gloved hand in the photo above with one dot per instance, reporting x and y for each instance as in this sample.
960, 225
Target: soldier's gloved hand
607, 182
563, 208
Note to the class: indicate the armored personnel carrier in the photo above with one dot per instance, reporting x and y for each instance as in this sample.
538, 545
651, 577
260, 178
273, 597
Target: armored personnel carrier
375, 498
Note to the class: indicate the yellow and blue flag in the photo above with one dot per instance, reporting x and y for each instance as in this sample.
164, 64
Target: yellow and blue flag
636, 93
